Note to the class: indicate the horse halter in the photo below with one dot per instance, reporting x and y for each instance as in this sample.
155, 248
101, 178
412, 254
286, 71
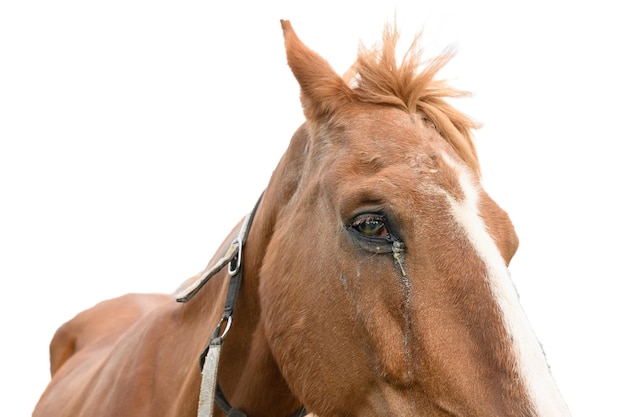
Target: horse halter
210, 390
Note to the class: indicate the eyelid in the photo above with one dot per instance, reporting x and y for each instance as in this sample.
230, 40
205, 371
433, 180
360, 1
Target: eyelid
373, 244
371, 211
378, 213
360, 218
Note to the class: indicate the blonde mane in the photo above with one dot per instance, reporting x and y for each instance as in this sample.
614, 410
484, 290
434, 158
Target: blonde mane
377, 78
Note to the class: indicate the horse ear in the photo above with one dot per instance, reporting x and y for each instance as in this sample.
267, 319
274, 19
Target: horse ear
322, 90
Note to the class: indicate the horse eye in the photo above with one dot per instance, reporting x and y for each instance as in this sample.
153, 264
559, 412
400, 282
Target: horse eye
371, 227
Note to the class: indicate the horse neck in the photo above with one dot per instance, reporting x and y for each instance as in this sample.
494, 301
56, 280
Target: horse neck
247, 367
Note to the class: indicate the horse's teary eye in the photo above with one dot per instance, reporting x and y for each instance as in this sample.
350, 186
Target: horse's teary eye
371, 226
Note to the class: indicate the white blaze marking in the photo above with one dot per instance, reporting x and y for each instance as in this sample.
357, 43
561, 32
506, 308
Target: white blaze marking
531, 362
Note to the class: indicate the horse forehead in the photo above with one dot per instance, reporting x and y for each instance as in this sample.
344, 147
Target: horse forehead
382, 137
419, 159
374, 124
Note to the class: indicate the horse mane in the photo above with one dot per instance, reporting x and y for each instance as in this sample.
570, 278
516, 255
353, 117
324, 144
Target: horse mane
377, 78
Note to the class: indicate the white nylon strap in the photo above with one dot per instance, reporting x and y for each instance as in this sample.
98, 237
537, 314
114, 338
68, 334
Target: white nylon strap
209, 380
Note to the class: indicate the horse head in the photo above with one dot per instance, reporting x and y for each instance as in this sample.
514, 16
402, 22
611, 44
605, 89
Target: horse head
375, 284
384, 287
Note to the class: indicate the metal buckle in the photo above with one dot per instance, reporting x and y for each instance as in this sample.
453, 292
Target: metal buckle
233, 269
218, 329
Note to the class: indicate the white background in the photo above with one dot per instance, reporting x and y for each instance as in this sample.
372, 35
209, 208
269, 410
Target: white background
135, 134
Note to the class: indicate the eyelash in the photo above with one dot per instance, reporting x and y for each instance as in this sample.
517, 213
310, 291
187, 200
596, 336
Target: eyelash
371, 226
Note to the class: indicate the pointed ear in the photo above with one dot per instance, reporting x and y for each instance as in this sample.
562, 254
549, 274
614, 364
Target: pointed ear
322, 90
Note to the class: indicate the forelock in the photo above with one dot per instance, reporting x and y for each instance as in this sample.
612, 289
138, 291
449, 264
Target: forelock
411, 84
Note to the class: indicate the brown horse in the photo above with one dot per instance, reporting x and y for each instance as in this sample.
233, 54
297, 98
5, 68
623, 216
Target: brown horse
375, 283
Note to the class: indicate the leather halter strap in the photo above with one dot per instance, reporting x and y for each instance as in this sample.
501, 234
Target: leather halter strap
234, 259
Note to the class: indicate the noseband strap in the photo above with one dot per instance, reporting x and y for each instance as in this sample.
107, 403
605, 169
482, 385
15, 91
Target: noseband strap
210, 390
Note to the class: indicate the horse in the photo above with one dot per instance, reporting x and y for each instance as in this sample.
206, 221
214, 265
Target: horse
370, 279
